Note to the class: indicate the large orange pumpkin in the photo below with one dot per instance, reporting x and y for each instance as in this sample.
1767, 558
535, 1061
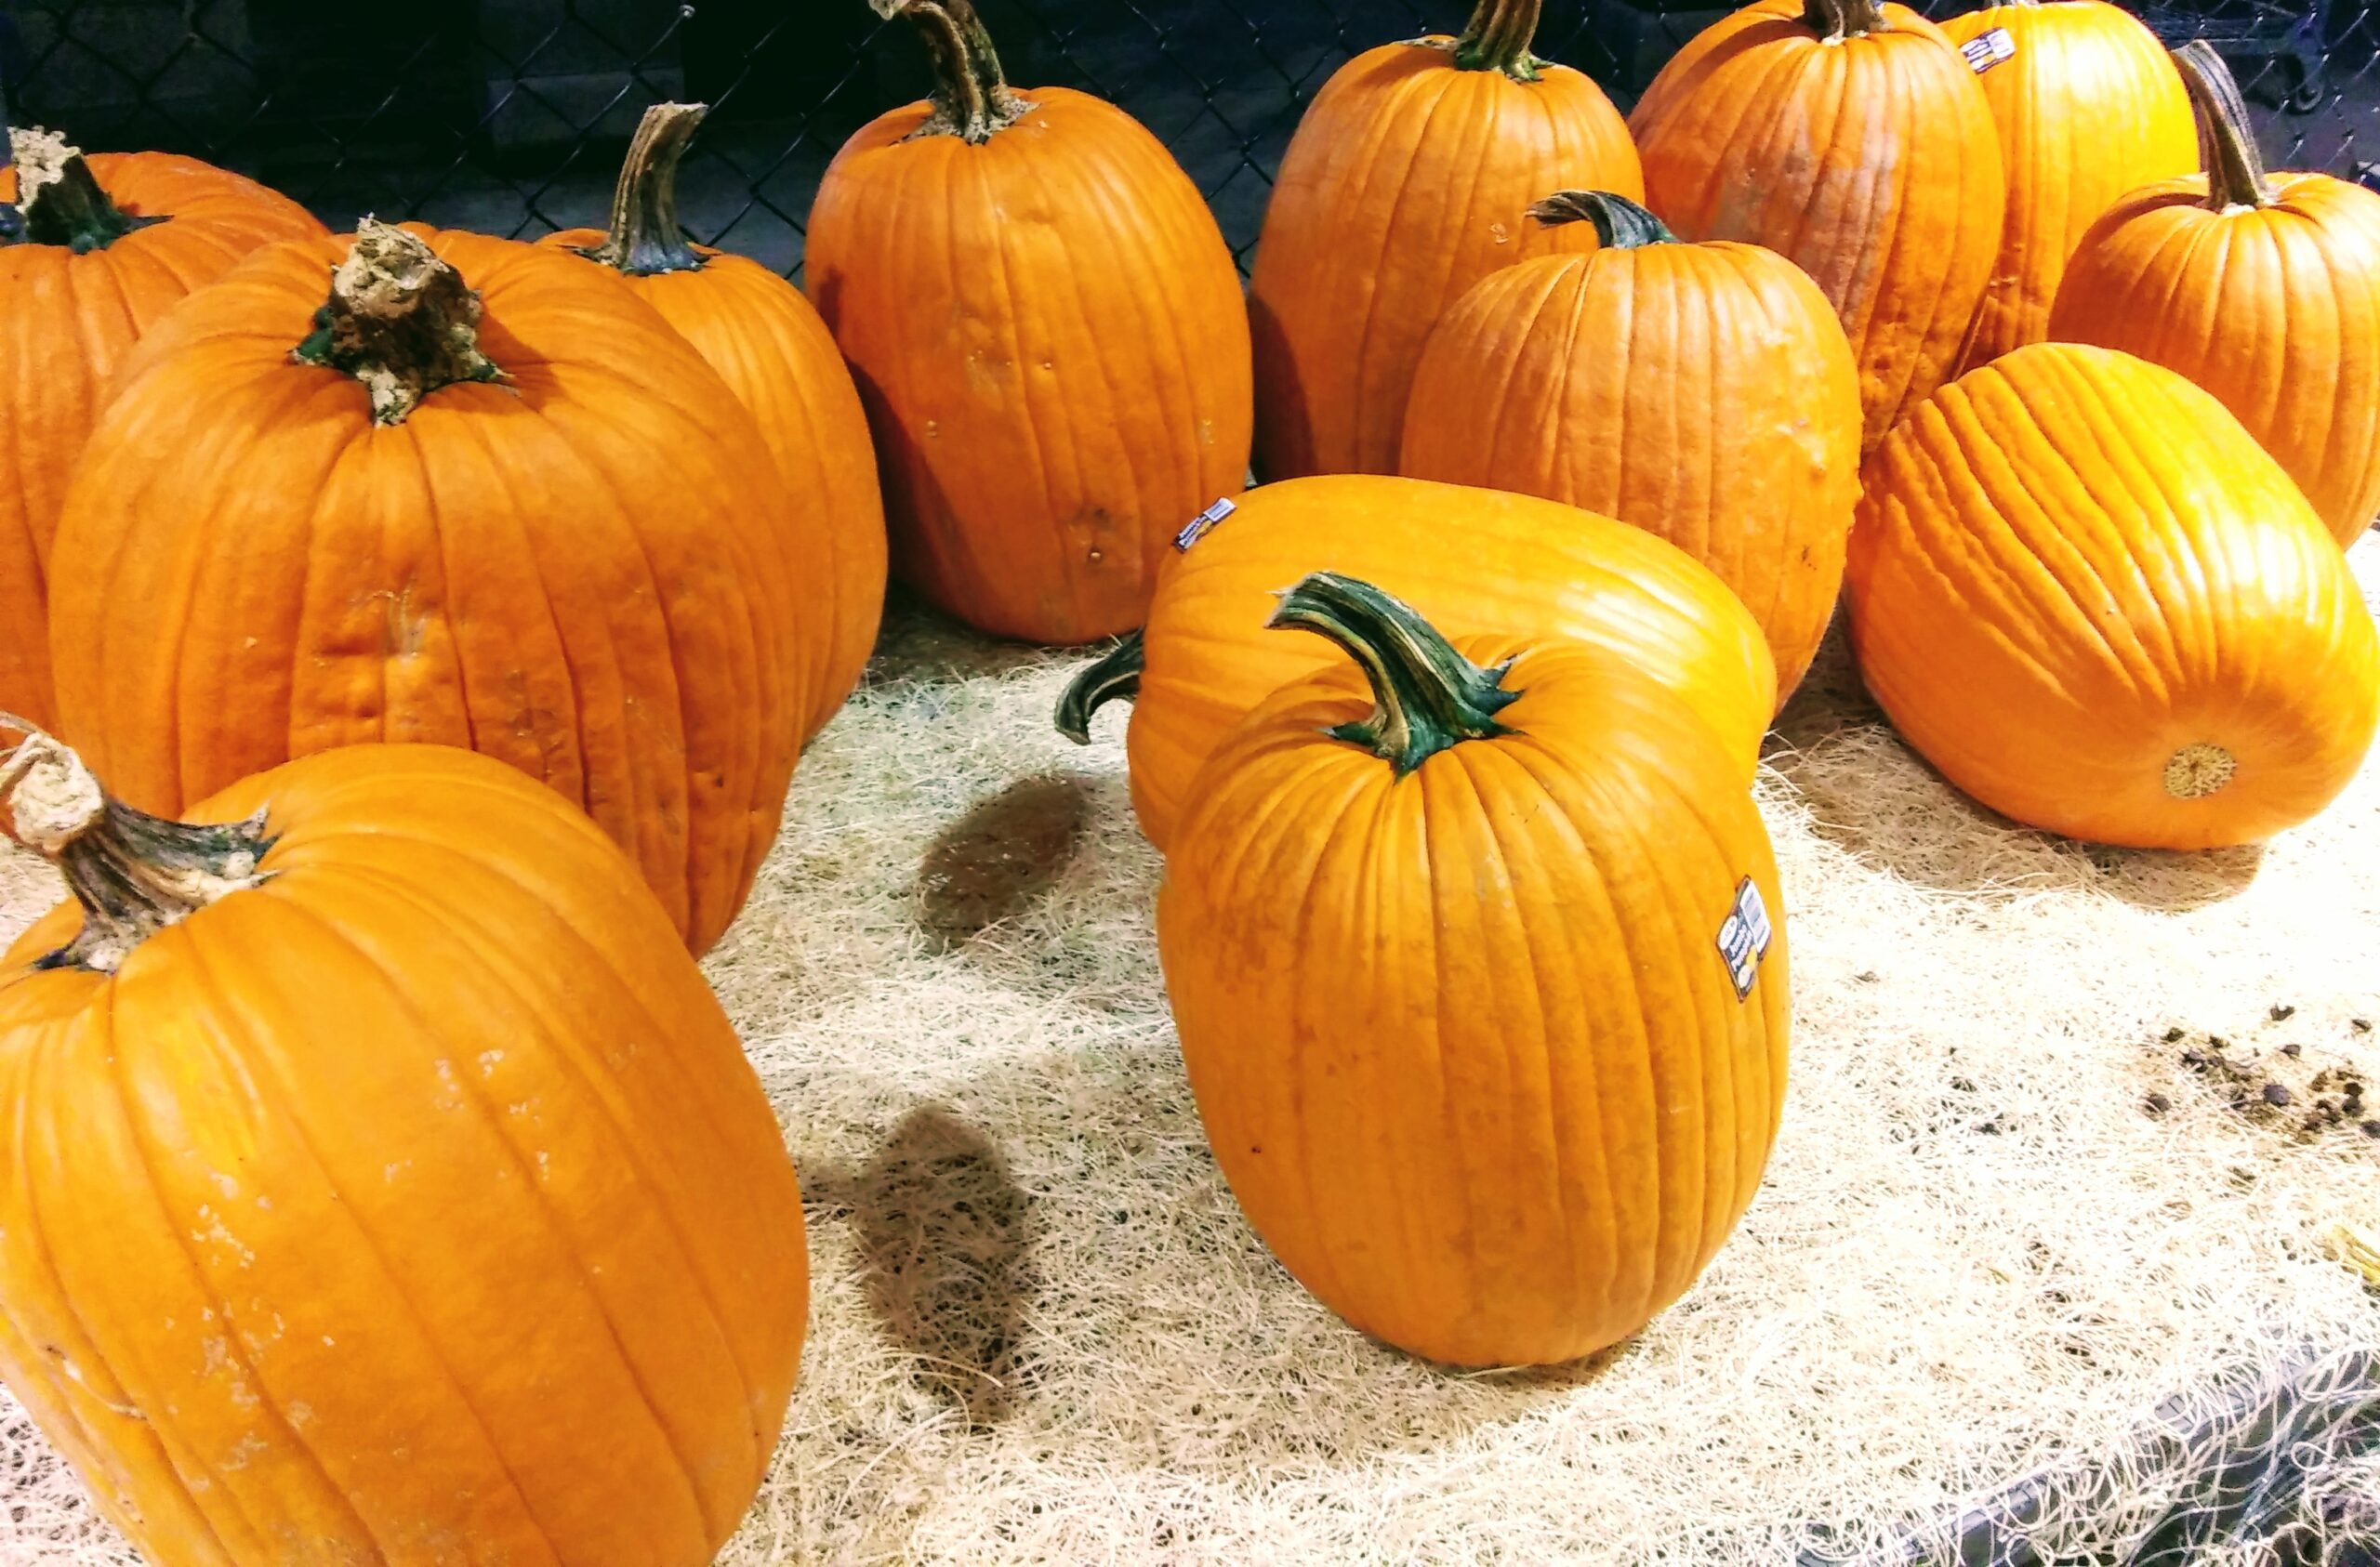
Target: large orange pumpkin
1849, 136
1408, 180
1479, 961
2088, 106
1703, 393
1049, 335
108, 243
385, 1185
547, 532
775, 355
2088, 596
1473, 560
2263, 289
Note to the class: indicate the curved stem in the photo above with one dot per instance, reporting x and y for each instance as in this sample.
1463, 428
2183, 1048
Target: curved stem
1497, 36
60, 201
971, 99
1620, 224
2226, 144
133, 873
1115, 674
399, 320
644, 237
1428, 697
1836, 20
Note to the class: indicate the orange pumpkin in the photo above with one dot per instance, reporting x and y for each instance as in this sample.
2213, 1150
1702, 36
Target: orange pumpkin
1703, 393
777, 357
108, 245
2088, 107
1473, 560
1408, 180
546, 532
384, 1183
2263, 289
2088, 596
1849, 136
1478, 962
1049, 335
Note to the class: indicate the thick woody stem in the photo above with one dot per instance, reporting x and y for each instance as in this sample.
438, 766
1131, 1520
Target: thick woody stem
60, 201
1498, 38
1620, 223
971, 99
644, 237
1835, 20
1427, 696
399, 320
2227, 143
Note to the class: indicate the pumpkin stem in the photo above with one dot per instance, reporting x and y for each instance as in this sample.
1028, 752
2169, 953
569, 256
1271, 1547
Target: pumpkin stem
644, 237
1620, 224
1115, 674
1497, 38
58, 199
133, 873
1833, 20
1429, 697
399, 320
971, 97
2227, 146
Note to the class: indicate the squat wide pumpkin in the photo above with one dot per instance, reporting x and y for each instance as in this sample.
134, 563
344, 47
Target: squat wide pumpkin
1480, 976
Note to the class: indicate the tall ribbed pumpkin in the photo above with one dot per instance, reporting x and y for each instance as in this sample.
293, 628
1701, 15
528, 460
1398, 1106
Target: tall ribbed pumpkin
1473, 560
1851, 138
1703, 393
1408, 179
777, 357
2264, 289
1479, 961
2088, 106
1049, 335
527, 519
106, 245
2088, 596
385, 1185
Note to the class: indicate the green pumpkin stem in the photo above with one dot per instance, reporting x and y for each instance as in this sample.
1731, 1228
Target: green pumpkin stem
1113, 674
133, 873
644, 237
399, 320
1620, 224
1836, 20
2226, 144
60, 199
971, 97
1427, 696
1498, 37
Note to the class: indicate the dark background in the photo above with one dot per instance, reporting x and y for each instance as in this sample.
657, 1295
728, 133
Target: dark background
508, 115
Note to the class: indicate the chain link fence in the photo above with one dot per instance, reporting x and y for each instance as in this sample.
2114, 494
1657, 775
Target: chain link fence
508, 116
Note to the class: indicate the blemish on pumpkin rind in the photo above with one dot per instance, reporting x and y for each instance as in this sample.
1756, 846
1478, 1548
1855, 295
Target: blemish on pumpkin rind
2199, 769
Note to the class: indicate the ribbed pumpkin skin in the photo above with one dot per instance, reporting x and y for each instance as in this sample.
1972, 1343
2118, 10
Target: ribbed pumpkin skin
1463, 1042
1049, 334
2276, 312
416, 1205
2070, 566
70, 320
1408, 180
592, 573
2089, 109
1873, 165
1470, 560
777, 357
1702, 393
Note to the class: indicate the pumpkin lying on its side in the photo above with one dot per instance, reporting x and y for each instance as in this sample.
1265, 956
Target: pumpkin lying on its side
1480, 975
384, 1183
2086, 594
1471, 559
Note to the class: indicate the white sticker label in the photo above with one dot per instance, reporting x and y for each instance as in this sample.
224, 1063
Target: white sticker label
1744, 936
1988, 50
1204, 520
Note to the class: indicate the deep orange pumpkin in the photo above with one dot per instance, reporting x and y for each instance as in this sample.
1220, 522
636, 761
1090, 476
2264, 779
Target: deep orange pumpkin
775, 355
547, 532
1849, 136
1048, 333
1475, 561
1408, 179
1703, 393
1479, 1030
108, 244
2088, 106
2263, 289
2086, 594
384, 1183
